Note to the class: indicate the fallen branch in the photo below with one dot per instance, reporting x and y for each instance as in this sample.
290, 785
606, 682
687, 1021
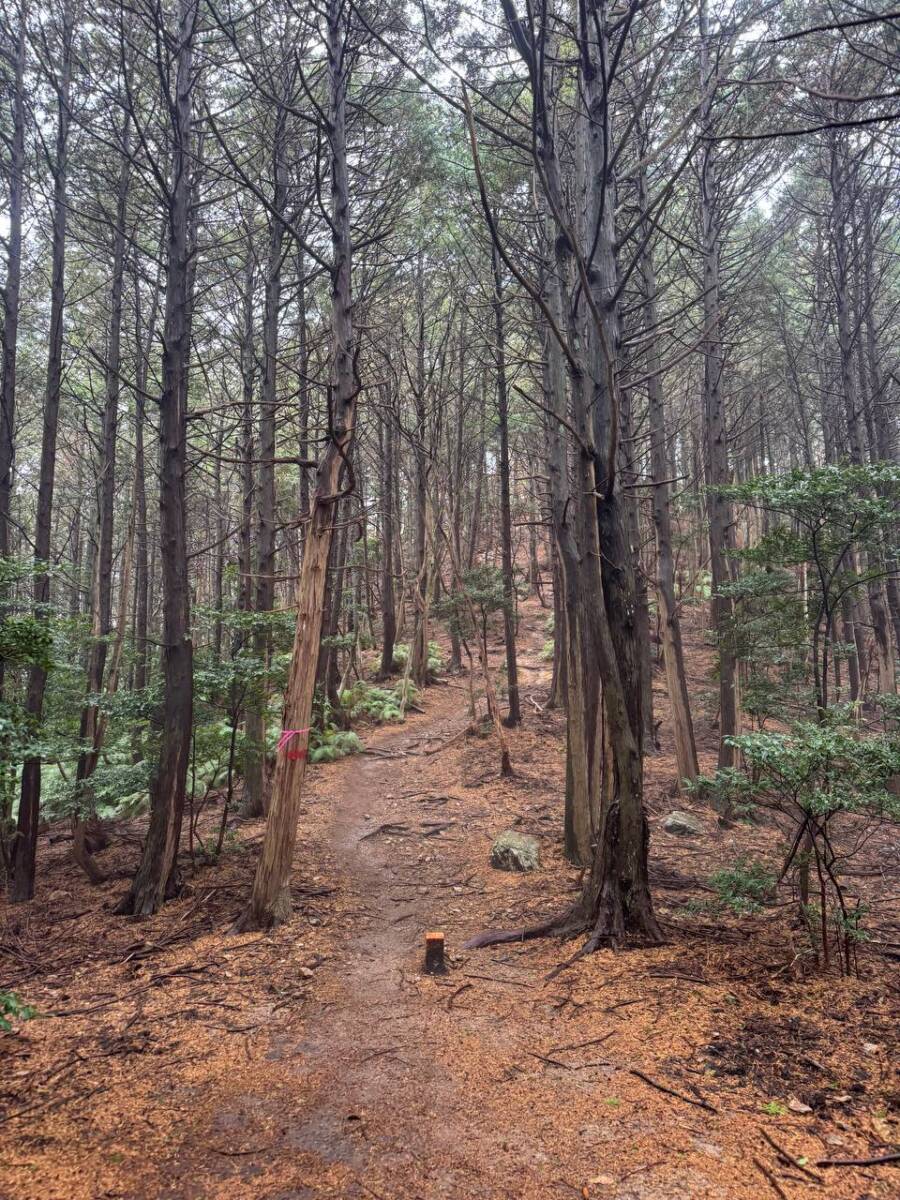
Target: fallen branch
445, 745
881, 1160
581, 1045
661, 1087
789, 1159
775, 1185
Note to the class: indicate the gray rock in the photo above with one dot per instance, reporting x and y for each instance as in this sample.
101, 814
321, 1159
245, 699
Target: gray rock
682, 824
513, 851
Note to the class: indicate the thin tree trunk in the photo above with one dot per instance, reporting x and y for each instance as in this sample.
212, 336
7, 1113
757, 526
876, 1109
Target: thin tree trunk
11, 289
514, 713
715, 435
101, 590
255, 761
670, 623
388, 613
25, 846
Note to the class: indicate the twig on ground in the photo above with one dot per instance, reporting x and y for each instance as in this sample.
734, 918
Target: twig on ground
789, 1158
773, 1182
581, 1045
878, 1161
661, 1087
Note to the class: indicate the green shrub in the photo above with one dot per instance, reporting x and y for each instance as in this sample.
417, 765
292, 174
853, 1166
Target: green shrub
745, 886
330, 744
377, 703
435, 657
12, 1009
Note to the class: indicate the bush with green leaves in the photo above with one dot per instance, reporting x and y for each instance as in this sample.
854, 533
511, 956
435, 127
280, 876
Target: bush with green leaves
744, 886
831, 527
435, 657
330, 744
381, 704
481, 593
808, 778
12, 1009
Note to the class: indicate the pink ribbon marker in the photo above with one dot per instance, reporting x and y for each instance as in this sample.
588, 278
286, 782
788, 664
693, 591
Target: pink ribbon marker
287, 736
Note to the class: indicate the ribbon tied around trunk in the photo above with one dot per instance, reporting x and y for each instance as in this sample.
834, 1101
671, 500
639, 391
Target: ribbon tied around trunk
285, 746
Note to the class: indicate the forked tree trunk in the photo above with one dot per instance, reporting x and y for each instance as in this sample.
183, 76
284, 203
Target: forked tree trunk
616, 896
615, 901
156, 877
270, 901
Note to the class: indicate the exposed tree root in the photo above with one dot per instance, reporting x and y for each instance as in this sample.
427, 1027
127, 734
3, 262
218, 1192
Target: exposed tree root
608, 928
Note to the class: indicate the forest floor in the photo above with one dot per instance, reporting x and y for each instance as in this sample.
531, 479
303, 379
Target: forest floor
172, 1060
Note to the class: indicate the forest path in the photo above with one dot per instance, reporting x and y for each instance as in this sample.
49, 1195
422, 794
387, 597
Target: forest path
175, 1061
404, 1085
386, 1108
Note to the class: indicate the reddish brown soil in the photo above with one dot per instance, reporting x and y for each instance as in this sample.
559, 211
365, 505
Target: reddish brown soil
174, 1061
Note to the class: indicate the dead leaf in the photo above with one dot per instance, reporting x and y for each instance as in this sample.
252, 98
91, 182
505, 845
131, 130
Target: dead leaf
882, 1130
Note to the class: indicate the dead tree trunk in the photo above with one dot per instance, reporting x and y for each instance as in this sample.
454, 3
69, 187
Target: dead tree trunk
270, 902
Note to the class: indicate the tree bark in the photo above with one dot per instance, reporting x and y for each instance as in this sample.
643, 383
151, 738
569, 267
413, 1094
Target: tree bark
388, 613
255, 761
270, 902
25, 845
514, 712
670, 623
11, 290
157, 874
715, 434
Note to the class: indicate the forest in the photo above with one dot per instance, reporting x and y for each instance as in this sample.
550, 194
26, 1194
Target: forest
449, 599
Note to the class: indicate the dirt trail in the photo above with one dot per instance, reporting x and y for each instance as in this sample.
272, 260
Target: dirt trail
382, 1102
318, 1061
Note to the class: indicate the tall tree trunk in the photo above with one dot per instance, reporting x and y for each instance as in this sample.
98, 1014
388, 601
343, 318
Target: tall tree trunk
616, 896
418, 650
245, 534
303, 392
11, 289
715, 435
842, 168
255, 761
157, 874
388, 614
670, 623
25, 846
144, 340
270, 901
101, 590
514, 714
